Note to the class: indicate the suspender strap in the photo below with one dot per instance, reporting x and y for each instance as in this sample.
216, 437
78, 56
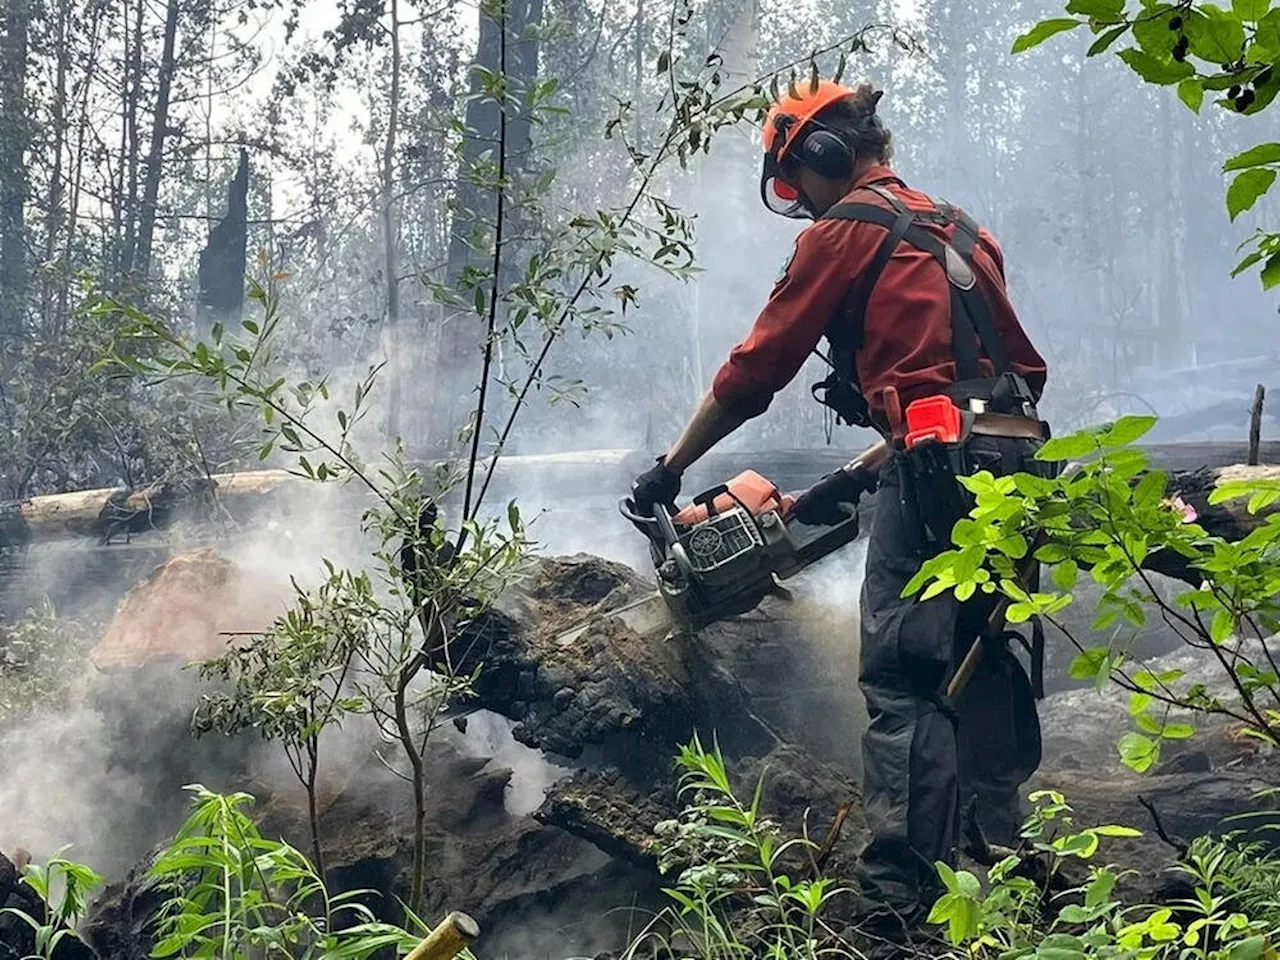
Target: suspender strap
975, 303
849, 335
972, 322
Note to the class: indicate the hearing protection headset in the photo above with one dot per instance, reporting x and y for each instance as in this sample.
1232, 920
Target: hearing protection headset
793, 138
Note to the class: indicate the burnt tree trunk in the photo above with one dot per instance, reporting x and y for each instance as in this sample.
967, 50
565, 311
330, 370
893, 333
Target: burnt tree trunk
222, 261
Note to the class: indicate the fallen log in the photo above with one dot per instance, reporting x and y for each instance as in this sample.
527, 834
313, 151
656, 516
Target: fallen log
110, 514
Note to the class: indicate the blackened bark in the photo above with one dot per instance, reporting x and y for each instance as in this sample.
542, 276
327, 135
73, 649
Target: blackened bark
222, 261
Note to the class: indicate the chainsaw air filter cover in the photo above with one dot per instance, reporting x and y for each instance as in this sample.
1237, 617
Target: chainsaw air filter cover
720, 540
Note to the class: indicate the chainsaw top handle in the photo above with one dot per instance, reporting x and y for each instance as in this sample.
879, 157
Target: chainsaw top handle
660, 528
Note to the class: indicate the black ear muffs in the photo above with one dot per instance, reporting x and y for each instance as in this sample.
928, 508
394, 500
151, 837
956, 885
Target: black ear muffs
826, 153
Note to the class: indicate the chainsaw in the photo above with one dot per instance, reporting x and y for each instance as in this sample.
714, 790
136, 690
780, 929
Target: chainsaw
731, 547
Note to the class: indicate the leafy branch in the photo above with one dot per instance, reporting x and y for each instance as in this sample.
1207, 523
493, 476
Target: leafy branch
1200, 48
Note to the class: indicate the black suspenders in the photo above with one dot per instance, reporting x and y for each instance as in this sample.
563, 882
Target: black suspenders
972, 322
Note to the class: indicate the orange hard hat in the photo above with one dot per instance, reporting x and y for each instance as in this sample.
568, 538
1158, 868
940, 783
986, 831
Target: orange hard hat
791, 113
783, 128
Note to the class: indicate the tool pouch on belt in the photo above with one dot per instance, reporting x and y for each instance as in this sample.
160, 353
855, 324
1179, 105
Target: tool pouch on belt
932, 468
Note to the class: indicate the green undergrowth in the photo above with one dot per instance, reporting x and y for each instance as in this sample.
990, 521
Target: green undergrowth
741, 889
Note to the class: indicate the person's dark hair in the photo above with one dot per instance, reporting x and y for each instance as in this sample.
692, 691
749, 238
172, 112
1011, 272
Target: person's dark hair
856, 120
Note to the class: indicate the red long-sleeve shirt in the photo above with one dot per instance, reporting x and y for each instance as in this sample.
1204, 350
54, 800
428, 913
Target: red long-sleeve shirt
906, 340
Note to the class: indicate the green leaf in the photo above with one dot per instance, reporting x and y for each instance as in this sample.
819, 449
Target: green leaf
1267, 35
968, 884
1070, 447
1156, 69
1137, 752
1178, 731
1060, 946
1247, 188
1097, 8
1087, 665
1191, 92
1126, 430
1113, 830
1246, 263
1217, 36
1065, 574
1107, 39
1271, 272
1250, 10
1254, 157
1250, 948
1019, 612
1042, 31
1220, 629
1152, 32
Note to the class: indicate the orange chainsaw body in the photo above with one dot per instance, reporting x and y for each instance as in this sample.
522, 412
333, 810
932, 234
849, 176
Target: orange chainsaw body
753, 492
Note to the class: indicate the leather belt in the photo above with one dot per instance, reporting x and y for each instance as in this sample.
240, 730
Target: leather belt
1005, 425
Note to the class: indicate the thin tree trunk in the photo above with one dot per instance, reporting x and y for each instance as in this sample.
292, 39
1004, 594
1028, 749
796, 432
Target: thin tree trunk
130, 145
57, 182
159, 131
418, 779
390, 241
313, 813
77, 178
15, 138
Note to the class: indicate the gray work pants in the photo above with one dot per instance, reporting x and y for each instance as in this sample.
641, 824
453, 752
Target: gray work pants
922, 760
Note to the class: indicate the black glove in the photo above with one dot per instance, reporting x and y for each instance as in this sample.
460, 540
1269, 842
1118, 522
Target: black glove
819, 506
656, 485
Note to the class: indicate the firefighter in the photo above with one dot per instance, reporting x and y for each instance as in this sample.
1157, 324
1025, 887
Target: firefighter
910, 296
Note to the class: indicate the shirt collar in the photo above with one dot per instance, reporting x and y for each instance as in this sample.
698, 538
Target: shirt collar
875, 174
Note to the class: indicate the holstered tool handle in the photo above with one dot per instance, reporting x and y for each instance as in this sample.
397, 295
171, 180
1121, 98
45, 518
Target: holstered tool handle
456, 932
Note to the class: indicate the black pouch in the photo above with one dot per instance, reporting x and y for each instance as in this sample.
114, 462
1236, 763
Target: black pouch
933, 469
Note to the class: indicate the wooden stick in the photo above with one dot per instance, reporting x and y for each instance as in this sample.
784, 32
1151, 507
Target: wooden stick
1255, 424
456, 932
969, 664
995, 624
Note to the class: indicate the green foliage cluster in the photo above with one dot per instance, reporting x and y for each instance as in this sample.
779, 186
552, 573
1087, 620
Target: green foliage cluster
379, 641
1230, 53
64, 887
1228, 916
230, 894
740, 888
233, 893
41, 655
1051, 898
1115, 519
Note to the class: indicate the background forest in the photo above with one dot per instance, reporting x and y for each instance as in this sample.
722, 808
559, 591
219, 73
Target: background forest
132, 130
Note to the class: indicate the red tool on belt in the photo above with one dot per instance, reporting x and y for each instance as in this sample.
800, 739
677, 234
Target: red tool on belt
933, 418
